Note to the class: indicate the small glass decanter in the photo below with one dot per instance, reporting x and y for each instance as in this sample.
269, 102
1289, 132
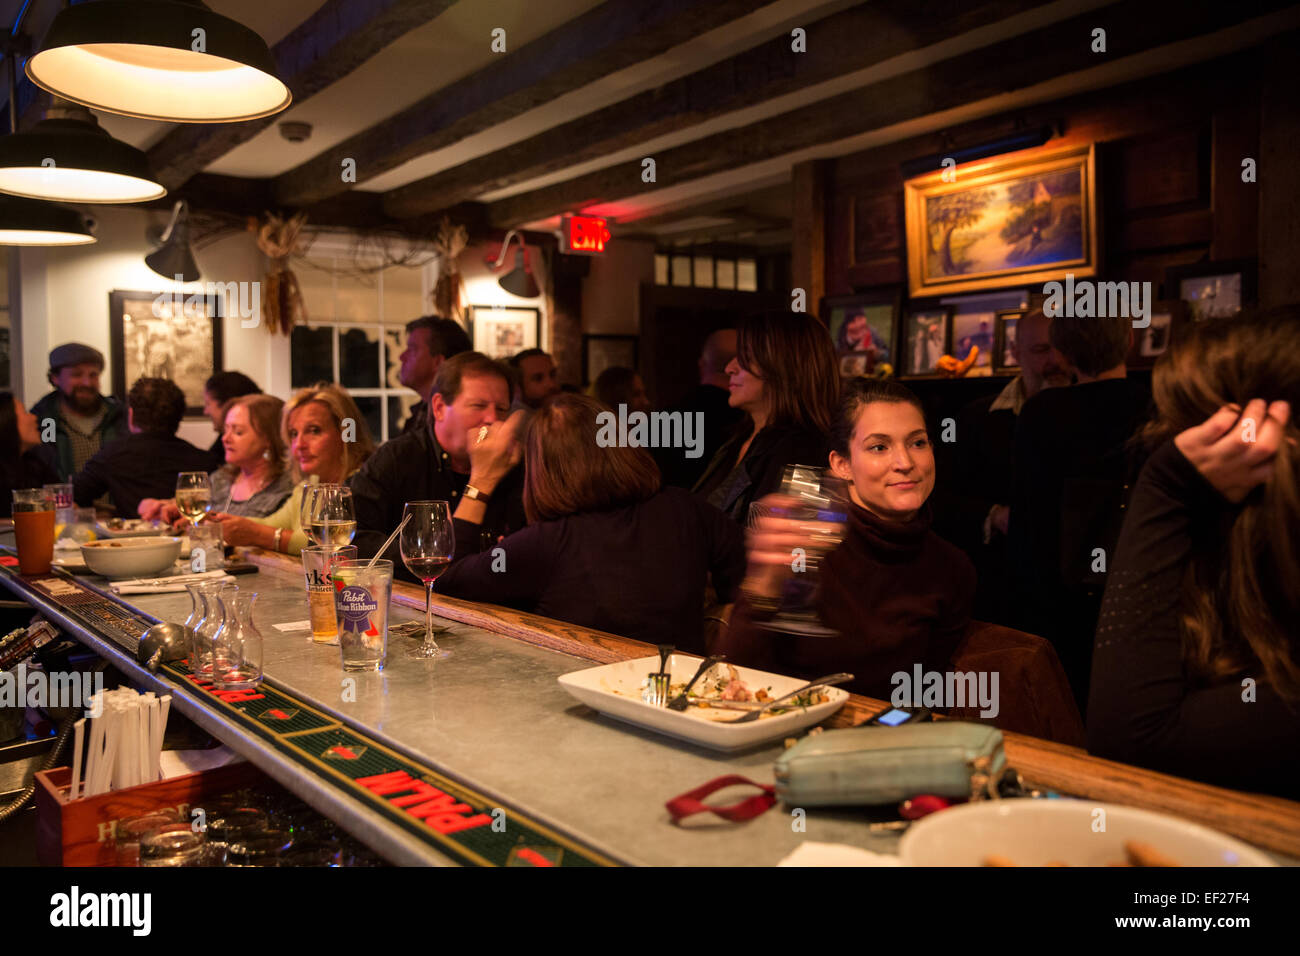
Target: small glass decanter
237, 651
205, 632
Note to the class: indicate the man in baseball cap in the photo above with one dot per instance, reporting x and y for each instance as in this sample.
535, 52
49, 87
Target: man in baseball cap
83, 419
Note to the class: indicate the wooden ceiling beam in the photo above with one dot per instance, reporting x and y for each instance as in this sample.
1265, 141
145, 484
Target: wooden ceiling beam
328, 45
835, 48
1047, 53
610, 37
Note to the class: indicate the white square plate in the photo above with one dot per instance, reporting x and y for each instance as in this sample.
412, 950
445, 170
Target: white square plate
615, 690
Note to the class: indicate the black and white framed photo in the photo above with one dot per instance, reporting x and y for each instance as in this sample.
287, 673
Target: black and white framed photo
926, 335
174, 335
600, 352
502, 330
1004, 341
1213, 290
1167, 321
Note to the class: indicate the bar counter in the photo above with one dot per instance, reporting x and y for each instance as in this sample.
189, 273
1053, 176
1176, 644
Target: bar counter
493, 719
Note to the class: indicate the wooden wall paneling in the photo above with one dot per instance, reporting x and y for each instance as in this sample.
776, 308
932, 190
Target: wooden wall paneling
1144, 129
1236, 137
1279, 204
808, 249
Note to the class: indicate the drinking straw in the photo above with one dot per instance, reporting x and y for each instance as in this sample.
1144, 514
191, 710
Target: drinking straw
391, 538
78, 735
95, 744
229, 498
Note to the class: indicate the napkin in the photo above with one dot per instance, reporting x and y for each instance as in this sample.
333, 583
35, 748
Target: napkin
166, 585
811, 853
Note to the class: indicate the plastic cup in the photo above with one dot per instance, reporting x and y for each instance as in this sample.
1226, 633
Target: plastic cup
33, 512
317, 564
361, 596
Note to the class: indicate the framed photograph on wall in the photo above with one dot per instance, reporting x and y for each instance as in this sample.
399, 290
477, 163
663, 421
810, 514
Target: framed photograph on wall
175, 335
499, 331
1167, 321
1004, 341
863, 329
600, 352
1213, 290
1024, 218
926, 337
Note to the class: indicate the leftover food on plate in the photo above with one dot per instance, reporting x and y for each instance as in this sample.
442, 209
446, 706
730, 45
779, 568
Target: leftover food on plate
721, 690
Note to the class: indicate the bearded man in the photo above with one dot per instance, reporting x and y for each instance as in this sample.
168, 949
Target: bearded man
83, 418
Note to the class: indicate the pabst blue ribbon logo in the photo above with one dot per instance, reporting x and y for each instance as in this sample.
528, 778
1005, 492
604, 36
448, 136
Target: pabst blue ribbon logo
355, 605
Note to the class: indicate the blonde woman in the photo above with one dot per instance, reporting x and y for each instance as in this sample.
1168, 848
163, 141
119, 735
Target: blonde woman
253, 482
323, 447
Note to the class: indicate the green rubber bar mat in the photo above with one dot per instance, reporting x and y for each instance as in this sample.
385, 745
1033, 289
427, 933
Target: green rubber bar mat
455, 819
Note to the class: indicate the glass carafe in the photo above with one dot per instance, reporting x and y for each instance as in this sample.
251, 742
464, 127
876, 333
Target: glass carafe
237, 651
196, 608
205, 632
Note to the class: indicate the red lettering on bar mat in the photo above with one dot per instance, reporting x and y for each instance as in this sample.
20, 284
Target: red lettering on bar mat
692, 801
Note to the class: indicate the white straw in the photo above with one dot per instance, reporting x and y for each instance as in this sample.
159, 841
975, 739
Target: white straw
380, 553
78, 735
94, 753
160, 731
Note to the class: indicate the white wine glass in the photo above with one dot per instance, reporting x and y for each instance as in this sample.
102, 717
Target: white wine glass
332, 519
428, 542
193, 495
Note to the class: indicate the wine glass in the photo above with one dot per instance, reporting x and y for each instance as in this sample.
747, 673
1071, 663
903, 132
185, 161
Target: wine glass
193, 495
428, 542
332, 520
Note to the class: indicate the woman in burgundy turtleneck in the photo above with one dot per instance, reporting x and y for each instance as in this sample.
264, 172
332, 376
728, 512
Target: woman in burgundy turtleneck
897, 593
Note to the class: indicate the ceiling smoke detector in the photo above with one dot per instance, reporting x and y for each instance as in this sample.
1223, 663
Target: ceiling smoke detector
295, 132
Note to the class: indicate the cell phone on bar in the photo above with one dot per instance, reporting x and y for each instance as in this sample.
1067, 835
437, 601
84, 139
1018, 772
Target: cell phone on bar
897, 716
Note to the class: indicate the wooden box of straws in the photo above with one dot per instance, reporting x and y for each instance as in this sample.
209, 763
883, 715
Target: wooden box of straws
84, 832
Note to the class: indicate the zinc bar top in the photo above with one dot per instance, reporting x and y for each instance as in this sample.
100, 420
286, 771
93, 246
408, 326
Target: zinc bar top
494, 718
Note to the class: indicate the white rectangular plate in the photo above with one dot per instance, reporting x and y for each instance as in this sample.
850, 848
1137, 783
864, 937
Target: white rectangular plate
615, 690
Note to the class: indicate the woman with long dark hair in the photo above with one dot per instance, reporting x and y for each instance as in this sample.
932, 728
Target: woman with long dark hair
20, 439
1196, 669
785, 379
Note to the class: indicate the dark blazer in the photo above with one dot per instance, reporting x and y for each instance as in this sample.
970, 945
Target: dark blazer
734, 488
136, 466
413, 467
639, 571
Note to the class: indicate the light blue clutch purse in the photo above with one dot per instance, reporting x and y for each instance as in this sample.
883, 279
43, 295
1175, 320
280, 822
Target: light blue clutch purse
861, 766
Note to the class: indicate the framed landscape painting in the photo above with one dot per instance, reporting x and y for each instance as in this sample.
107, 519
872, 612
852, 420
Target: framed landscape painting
175, 335
1024, 219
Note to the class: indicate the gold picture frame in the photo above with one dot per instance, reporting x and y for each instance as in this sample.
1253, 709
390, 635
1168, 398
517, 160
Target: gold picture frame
1018, 219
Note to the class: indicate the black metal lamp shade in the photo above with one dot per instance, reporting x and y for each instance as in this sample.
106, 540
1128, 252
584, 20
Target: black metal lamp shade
73, 159
519, 280
29, 222
175, 259
171, 60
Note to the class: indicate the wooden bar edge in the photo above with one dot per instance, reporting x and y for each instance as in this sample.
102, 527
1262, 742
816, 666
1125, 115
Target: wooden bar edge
1266, 821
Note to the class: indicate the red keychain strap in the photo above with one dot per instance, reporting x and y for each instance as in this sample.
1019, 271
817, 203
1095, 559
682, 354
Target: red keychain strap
692, 802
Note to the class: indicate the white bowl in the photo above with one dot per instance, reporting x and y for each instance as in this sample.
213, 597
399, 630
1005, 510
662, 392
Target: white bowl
1037, 832
131, 557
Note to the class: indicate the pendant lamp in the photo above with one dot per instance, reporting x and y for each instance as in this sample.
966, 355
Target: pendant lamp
519, 280
171, 60
175, 259
29, 222
68, 156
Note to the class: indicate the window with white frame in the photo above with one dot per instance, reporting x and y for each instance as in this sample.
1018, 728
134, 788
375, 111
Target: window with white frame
355, 333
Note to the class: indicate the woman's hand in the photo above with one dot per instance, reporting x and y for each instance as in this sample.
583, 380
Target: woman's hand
159, 509
236, 530
1235, 451
775, 544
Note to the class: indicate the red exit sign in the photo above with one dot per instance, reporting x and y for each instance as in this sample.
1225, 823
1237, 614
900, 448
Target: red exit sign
585, 235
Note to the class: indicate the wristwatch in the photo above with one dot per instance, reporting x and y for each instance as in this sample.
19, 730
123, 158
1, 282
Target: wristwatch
473, 494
